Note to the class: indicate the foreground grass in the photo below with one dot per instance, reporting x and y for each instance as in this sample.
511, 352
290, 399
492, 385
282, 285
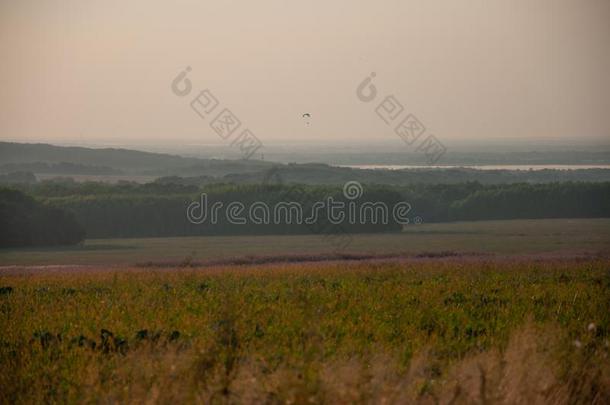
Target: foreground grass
494, 237
446, 331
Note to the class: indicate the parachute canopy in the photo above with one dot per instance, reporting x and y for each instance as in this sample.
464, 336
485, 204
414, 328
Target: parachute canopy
306, 118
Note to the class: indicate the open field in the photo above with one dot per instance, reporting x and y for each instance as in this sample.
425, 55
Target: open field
479, 312
437, 330
494, 237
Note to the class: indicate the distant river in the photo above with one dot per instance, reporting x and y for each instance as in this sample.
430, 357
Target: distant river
481, 167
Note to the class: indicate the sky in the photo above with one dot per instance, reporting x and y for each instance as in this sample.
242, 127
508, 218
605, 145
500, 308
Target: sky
101, 72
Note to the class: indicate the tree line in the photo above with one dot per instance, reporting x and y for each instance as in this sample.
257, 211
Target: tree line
151, 215
27, 222
58, 212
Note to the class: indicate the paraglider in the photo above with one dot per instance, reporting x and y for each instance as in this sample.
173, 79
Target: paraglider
307, 117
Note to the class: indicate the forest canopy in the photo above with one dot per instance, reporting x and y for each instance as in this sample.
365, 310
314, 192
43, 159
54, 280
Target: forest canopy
159, 208
26, 222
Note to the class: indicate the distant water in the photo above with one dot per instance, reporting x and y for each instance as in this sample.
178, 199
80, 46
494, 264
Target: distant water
480, 167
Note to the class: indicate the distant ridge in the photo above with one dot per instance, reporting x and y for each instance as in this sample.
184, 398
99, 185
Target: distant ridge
11, 152
41, 158
126, 160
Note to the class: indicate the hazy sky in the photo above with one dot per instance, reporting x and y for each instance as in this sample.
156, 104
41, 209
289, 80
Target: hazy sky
100, 71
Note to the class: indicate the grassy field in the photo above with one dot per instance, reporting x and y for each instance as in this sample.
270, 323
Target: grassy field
428, 331
497, 237
524, 319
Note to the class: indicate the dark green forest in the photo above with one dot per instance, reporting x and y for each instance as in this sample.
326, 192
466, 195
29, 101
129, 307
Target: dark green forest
51, 212
27, 222
138, 211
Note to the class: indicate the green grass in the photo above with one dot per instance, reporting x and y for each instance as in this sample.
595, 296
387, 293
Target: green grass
402, 331
498, 237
